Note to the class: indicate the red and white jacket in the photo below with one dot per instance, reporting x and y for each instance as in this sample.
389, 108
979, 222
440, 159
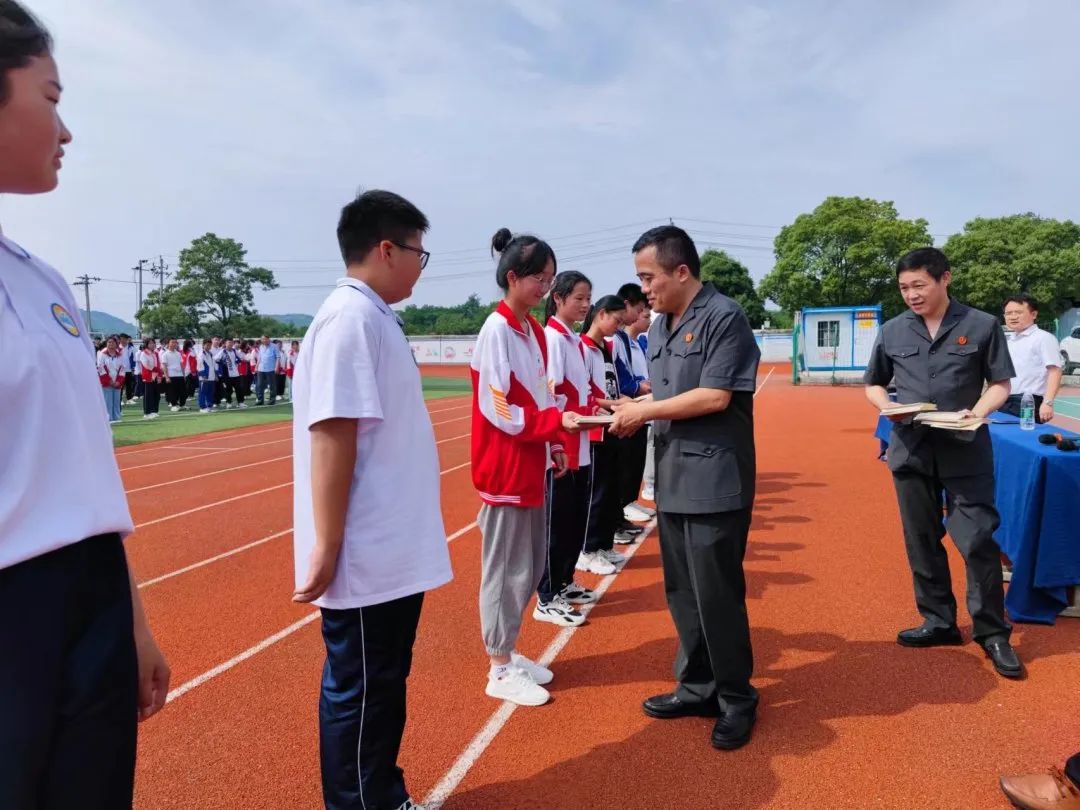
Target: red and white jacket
149, 366
111, 369
514, 416
569, 379
597, 366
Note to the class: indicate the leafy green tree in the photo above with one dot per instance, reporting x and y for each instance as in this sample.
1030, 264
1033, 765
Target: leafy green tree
214, 283
252, 326
843, 253
732, 278
1002, 256
778, 319
163, 315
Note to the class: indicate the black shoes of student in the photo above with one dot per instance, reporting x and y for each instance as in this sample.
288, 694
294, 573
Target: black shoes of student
733, 730
1003, 657
670, 706
930, 637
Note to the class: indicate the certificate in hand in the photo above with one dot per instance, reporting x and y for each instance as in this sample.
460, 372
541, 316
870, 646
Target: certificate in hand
599, 419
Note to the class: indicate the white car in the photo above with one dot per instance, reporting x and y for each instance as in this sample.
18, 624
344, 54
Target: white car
1070, 351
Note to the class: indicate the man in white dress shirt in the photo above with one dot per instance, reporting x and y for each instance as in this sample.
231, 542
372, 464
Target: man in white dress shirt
1036, 357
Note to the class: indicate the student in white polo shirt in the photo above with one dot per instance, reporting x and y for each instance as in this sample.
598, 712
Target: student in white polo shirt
78, 664
361, 438
1036, 356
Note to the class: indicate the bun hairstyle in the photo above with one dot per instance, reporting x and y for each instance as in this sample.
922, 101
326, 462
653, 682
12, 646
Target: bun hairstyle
609, 303
564, 285
525, 254
22, 37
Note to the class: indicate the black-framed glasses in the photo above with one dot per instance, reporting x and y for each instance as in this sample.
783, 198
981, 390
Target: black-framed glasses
423, 254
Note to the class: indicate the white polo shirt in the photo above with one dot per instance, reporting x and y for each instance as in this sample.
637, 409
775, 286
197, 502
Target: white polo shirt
173, 363
1032, 350
58, 478
356, 363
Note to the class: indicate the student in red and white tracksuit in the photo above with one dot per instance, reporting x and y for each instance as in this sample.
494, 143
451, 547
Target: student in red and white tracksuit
150, 370
290, 365
568, 376
517, 433
605, 513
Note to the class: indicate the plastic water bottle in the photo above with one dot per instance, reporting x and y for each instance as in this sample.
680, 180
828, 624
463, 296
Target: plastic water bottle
1027, 412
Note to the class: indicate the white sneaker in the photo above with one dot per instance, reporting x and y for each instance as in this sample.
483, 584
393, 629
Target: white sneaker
612, 556
559, 612
576, 594
155, 415
174, 408
540, 674
204, 410
593, 563
635, 513
114, 421
517, 687
624, 538
147, 416
649, 494
242, 406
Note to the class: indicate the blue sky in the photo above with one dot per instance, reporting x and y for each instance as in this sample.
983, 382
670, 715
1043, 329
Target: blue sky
583, 122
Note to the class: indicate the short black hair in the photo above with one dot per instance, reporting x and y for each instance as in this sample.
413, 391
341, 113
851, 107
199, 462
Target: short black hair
563, 287
22, 37
674, 247
525, 254
631, 293
375, 216
1023, 298
930, 259
609, 303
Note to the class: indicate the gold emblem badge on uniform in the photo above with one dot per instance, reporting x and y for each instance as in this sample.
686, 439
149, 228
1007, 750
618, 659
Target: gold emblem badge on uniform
63, 317
961, 341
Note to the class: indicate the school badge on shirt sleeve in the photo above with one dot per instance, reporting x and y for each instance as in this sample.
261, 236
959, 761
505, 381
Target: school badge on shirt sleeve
63, 317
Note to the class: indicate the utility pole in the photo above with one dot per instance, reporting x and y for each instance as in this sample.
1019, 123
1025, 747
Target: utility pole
159, 271
138, 271
85, 281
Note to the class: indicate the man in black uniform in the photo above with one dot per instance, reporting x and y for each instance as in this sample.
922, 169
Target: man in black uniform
703, 365
943, 352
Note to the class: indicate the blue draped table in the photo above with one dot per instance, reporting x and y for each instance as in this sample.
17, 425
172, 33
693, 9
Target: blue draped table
1036, 486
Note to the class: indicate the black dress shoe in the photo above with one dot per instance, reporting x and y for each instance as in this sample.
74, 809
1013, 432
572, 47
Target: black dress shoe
1003, 657
930, 637
732, 730
666, 707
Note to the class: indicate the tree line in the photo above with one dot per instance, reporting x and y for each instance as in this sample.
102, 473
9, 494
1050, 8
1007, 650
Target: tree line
843, 253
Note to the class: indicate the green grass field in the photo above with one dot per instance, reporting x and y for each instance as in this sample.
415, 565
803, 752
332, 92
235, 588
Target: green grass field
133, 429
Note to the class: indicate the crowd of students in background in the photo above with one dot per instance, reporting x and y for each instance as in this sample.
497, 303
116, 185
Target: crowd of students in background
212, 372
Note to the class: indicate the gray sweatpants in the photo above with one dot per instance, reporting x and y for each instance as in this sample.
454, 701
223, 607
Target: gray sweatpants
649, 477
512, 561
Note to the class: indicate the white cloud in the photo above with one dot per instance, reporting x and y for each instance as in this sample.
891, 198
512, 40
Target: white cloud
259, 121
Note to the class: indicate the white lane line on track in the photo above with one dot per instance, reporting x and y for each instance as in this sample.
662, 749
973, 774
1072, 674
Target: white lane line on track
206, 454
267, 539
211, 505
184, 688
199, 680
475, 749
235, 433
455, 408
213, 559
764, 381
453, 438
206, 475
226, 434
